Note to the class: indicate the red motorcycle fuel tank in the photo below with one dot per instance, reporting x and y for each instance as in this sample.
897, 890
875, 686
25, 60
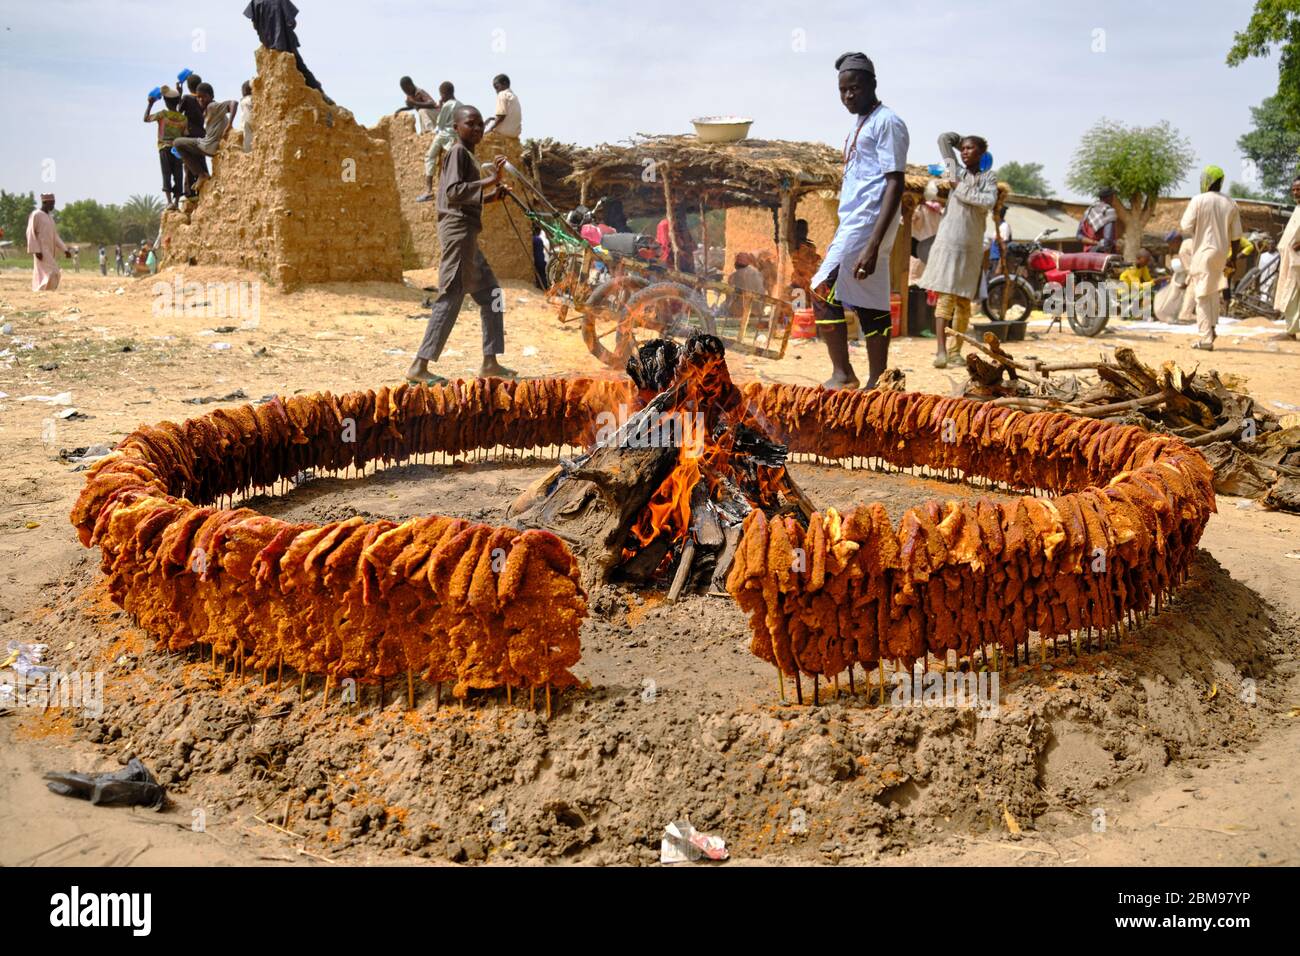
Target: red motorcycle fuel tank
1042, 260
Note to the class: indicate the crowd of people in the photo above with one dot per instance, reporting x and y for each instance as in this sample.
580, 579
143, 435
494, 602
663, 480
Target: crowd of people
850, 284
192, 123
191, 127
436, 118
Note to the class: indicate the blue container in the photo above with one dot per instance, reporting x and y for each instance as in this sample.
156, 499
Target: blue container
986, 162
183, 75
155, 93
936, 169
176, 154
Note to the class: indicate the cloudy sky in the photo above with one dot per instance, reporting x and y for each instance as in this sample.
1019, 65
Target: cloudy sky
1029, 75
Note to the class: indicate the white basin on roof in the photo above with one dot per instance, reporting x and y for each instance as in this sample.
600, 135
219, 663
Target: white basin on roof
722, 129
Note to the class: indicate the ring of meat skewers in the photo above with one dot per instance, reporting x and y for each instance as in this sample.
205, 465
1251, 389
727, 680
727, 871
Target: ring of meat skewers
966, 576
484, 607
442, 598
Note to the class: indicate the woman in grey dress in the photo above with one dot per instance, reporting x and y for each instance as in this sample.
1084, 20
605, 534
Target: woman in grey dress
957, 256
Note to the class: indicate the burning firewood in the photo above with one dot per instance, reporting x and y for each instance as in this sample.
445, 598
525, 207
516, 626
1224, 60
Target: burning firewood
660, 494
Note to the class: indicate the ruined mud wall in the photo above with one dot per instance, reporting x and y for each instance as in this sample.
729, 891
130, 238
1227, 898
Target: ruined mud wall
750, 229
419, 220
510, 258
315, 200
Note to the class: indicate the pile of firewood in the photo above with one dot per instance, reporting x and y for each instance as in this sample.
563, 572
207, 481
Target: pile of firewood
1253, 453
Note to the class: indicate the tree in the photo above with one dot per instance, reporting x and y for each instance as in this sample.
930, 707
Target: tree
1141, 163
1025, 179
14, 210
1275, 23
1242, 191
87, 221
1273, 149
139, 218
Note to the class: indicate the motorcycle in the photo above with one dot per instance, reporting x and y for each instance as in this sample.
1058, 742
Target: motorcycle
1069, 284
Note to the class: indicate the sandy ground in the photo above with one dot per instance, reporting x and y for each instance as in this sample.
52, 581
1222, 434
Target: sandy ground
1155, 737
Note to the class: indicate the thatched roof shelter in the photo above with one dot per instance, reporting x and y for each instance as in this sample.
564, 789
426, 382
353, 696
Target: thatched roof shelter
752, 172
1268, 218
649, 173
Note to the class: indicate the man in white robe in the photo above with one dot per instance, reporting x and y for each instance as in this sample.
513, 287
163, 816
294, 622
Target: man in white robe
855, 272
1287, 297
1213, 224
44, 244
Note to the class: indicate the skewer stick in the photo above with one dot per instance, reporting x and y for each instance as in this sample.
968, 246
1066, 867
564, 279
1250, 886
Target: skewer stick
780, 683
410, 690
837, 686
324, 701
816, 702
881, 663
532, 698
798, 687
548, 700
279, 671
302, 688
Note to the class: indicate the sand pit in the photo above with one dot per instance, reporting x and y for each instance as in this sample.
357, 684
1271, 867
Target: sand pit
1155, 733
674, 719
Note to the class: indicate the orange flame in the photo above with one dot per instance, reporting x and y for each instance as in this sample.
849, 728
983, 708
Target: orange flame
669, 507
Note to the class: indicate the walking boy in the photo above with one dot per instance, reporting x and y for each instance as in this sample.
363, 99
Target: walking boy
462, 191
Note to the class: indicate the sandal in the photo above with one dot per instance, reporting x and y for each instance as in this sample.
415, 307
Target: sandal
430, 379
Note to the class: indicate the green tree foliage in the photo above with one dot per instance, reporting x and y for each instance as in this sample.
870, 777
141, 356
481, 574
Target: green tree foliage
1141, 163
1273, 148
1242, 191
87, 221
139, 217
1275, 23
14, 210
1025, 179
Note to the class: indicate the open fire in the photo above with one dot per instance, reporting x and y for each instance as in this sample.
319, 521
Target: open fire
681, 472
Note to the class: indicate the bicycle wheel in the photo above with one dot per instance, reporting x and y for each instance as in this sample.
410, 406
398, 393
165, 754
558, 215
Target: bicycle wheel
1248, 298
604, 315
666, 310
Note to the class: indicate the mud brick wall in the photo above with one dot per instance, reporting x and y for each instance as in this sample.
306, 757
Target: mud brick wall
419, 220
315, 200
750, 229
510, 258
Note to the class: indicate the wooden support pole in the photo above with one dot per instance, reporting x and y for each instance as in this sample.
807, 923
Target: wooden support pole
903, 240
662, 170
704, 237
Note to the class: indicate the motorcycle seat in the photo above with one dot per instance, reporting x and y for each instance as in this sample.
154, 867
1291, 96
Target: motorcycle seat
627, 243
1083, 261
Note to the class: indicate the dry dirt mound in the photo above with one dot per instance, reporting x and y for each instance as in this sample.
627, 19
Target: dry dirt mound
677, 720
